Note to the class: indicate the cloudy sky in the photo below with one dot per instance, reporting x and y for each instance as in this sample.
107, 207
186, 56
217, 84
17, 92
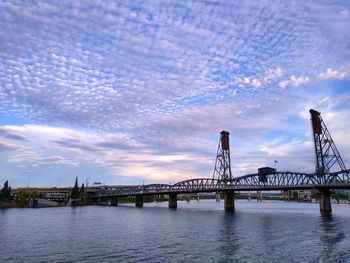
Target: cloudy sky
126, 92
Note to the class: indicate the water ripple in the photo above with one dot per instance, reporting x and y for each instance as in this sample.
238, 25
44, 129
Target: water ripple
195, 232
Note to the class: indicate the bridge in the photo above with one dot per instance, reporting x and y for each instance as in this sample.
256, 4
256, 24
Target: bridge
267, 179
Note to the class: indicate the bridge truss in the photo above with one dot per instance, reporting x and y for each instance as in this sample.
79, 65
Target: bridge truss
251, 182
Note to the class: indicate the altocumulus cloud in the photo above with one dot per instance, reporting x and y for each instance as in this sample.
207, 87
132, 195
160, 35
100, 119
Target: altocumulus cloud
141, 90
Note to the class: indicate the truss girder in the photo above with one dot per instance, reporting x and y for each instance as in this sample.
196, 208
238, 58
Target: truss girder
276, 181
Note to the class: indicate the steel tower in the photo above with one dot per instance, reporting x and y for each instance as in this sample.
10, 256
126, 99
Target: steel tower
222, 169
326, 152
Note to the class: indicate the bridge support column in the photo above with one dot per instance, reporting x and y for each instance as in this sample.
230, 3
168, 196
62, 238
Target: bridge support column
229, 202
259, 196
139, 201
217, 197
173, 201
325, 202
114, 201
287, 195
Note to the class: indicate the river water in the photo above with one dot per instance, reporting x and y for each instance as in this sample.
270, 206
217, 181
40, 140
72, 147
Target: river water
195, 232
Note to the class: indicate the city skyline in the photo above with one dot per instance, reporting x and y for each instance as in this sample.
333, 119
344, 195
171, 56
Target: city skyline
126, 93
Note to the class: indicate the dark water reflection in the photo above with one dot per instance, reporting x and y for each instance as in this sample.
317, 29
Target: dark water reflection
195, 232
331, 235
228, 238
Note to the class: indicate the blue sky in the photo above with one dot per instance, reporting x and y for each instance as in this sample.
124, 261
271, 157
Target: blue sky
126, 92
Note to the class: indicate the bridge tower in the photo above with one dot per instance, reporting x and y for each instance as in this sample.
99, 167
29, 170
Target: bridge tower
327, 156
222, 169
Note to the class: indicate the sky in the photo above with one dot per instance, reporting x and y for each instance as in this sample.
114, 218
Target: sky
133, 92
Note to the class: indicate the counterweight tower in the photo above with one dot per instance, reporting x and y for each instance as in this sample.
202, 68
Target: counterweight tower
222, 169
327, 155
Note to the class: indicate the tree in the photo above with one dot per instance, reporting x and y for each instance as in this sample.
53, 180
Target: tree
34, 195
6, 192
23, 197
75, 191
82, 189
82, 193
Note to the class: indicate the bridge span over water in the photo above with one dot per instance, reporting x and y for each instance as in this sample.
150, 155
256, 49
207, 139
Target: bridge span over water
267, 179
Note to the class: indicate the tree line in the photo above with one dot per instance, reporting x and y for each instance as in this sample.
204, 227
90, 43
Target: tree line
76, 191
5, 194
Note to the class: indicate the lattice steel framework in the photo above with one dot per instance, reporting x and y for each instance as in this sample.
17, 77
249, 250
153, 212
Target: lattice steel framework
222, 169
250, 182
326, 152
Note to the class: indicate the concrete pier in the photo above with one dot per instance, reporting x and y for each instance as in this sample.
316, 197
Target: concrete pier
139, 201
114, 201
229, 202
259, 196
173, 201
217, 196
325, 202
287, 195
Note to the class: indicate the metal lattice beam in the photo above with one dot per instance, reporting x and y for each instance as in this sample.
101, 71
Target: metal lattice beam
251, 182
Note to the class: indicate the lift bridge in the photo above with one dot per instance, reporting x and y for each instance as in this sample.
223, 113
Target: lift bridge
330, 174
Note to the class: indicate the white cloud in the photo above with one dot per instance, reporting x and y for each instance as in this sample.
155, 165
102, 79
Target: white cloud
335, 74
297, 81
256, 83
294, 81
283, 84
270, 75
273, 73
4, 146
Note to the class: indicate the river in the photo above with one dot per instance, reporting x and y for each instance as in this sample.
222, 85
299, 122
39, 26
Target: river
195, 232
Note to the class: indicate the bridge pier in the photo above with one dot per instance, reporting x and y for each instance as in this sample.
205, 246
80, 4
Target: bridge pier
287, 195
139, 201
259, 196
114, 201
229, 202
217, 195
325, 202
173, 201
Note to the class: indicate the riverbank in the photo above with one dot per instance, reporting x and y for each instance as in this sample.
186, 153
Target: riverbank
12, 204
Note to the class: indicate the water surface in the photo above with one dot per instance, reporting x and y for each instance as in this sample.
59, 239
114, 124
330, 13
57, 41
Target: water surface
195, 232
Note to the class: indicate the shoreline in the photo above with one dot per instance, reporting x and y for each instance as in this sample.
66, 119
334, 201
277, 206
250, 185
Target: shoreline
12, 204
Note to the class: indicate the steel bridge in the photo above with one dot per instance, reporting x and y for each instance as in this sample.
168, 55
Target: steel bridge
251, 182
267, 179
